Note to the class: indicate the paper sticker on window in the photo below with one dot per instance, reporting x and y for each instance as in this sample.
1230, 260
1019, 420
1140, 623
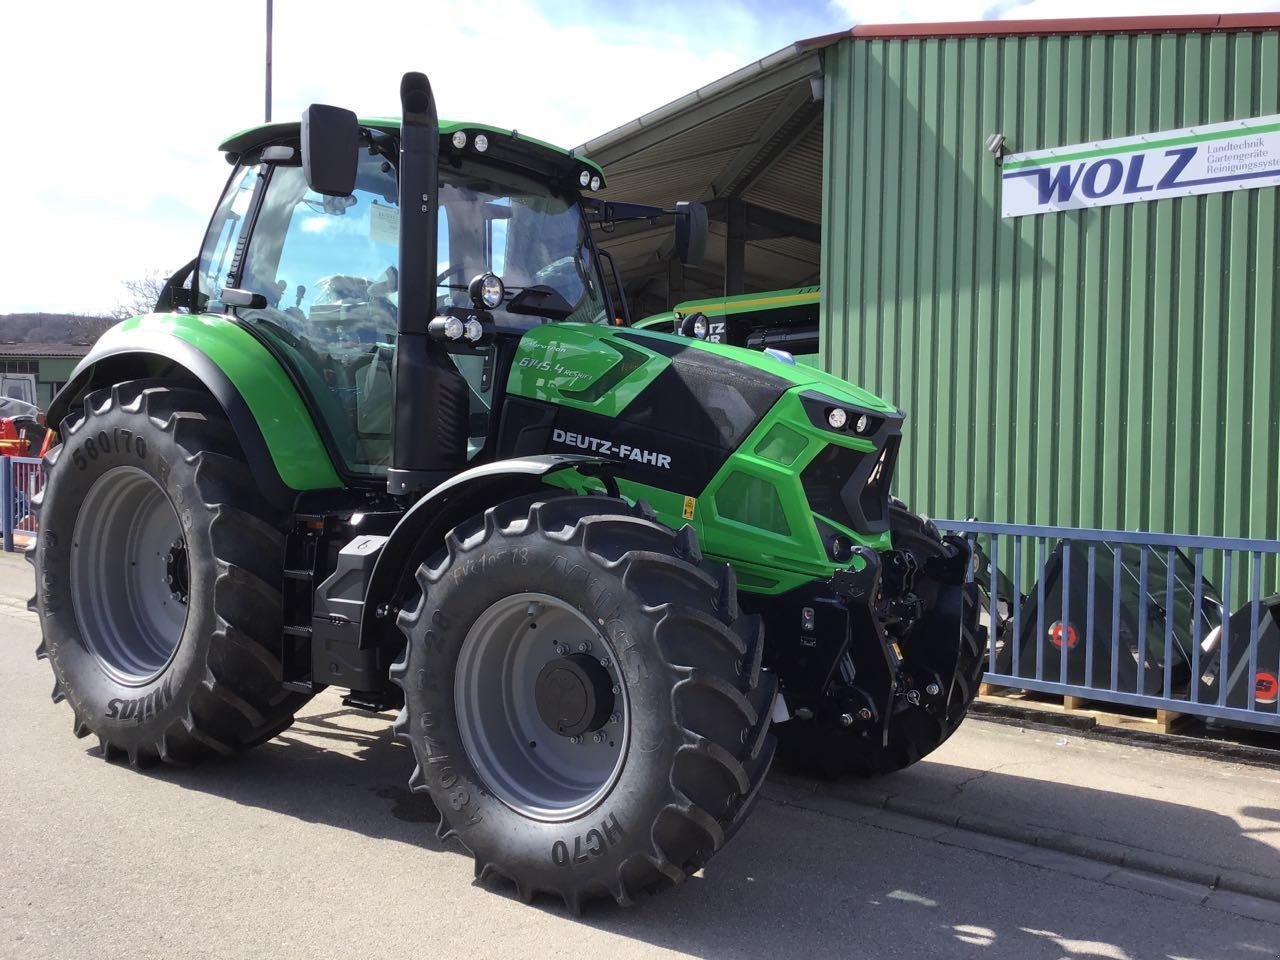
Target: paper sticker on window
384, 224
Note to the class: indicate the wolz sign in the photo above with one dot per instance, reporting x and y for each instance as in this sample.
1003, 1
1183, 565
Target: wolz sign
1238, 155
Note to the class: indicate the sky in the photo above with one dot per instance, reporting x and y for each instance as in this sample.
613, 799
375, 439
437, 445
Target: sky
111, 112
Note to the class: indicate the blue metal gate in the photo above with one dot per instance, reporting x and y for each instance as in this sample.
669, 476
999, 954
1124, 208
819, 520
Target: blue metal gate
1131, 618
20, 479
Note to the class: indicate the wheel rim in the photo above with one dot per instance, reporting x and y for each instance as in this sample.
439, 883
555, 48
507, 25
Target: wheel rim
529, 681
129, 575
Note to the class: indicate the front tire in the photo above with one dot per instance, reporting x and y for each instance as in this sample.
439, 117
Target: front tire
158, 580
585, 708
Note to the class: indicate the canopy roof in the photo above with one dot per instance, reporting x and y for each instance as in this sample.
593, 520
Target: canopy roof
749, 145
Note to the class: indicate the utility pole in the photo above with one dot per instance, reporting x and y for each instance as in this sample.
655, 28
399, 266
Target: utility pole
268, 105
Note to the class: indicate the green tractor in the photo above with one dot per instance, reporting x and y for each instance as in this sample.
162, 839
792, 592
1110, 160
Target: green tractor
387, 434
776, 320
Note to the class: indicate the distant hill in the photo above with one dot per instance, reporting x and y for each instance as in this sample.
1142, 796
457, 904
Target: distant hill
51, 327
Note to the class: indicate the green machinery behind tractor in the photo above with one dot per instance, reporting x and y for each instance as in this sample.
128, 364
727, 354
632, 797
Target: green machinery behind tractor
778, 320
385, 434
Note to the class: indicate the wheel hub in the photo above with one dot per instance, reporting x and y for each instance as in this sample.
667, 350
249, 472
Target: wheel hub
546, 728
130, 580
574, 695
175, 571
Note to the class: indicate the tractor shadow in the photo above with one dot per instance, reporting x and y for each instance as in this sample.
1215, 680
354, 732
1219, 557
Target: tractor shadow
342, 767
804, 877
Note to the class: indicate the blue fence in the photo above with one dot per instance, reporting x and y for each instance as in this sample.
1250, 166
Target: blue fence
1181, 623
20, 480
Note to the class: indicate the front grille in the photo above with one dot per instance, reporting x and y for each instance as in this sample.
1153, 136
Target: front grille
851, 487
875, 493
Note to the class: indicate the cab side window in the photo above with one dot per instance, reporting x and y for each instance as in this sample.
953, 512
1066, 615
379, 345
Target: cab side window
327, 269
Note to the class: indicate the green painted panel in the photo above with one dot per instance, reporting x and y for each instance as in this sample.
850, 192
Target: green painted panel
296, 448
1113, 367
582, 366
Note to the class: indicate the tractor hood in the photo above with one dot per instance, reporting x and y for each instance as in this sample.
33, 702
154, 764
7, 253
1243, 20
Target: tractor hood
674, 410
580, 355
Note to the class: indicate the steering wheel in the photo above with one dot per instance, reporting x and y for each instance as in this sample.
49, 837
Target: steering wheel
440, 280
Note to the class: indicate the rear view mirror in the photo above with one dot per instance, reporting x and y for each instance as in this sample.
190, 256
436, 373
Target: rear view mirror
330, 143
691, 232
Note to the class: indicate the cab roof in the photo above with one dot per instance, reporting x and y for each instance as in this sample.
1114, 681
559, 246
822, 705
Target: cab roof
271, 132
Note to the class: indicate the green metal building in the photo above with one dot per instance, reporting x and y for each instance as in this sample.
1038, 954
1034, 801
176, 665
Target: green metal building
1111, 366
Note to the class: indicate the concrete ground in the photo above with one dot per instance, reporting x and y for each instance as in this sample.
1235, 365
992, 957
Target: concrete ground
1006, 843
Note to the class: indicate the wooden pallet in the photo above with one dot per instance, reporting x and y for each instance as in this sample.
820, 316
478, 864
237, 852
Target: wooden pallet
1100, 713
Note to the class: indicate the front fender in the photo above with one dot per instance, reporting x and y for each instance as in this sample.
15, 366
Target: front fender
264, 407
422, 529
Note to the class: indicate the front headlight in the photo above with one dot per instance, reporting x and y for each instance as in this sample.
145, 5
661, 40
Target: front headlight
487, 291
700, 328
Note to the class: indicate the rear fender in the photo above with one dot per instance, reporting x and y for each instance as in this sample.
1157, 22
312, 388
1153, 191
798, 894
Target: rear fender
421, 531
272, 423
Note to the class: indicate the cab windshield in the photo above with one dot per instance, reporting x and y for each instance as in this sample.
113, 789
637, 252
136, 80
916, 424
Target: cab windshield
497, 221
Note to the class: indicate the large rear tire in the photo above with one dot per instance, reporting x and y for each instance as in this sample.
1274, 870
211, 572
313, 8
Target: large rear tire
158, 573
832, 750
584, 705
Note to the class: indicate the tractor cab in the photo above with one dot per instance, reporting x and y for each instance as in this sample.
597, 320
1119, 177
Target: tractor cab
317, 277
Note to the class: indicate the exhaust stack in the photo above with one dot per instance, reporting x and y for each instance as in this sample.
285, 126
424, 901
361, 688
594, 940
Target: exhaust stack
429, 432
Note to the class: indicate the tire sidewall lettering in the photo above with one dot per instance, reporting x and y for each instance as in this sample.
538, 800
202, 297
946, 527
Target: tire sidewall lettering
103, 444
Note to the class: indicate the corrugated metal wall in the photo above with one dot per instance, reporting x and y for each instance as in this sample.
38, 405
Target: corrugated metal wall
1114, 367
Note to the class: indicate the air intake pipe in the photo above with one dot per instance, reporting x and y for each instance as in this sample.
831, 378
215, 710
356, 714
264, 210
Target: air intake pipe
429, 427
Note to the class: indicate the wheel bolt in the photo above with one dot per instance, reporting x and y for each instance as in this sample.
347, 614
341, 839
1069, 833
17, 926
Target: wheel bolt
584, 646
575, 739
599, 737
617, 689
614, 717
562, 649
933, 689
864, 714
604, 661
846, 720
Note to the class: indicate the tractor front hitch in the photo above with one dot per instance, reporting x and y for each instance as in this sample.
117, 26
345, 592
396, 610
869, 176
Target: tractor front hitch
853, 650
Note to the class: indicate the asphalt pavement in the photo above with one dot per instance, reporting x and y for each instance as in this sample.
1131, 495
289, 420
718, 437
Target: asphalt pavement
312, 846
